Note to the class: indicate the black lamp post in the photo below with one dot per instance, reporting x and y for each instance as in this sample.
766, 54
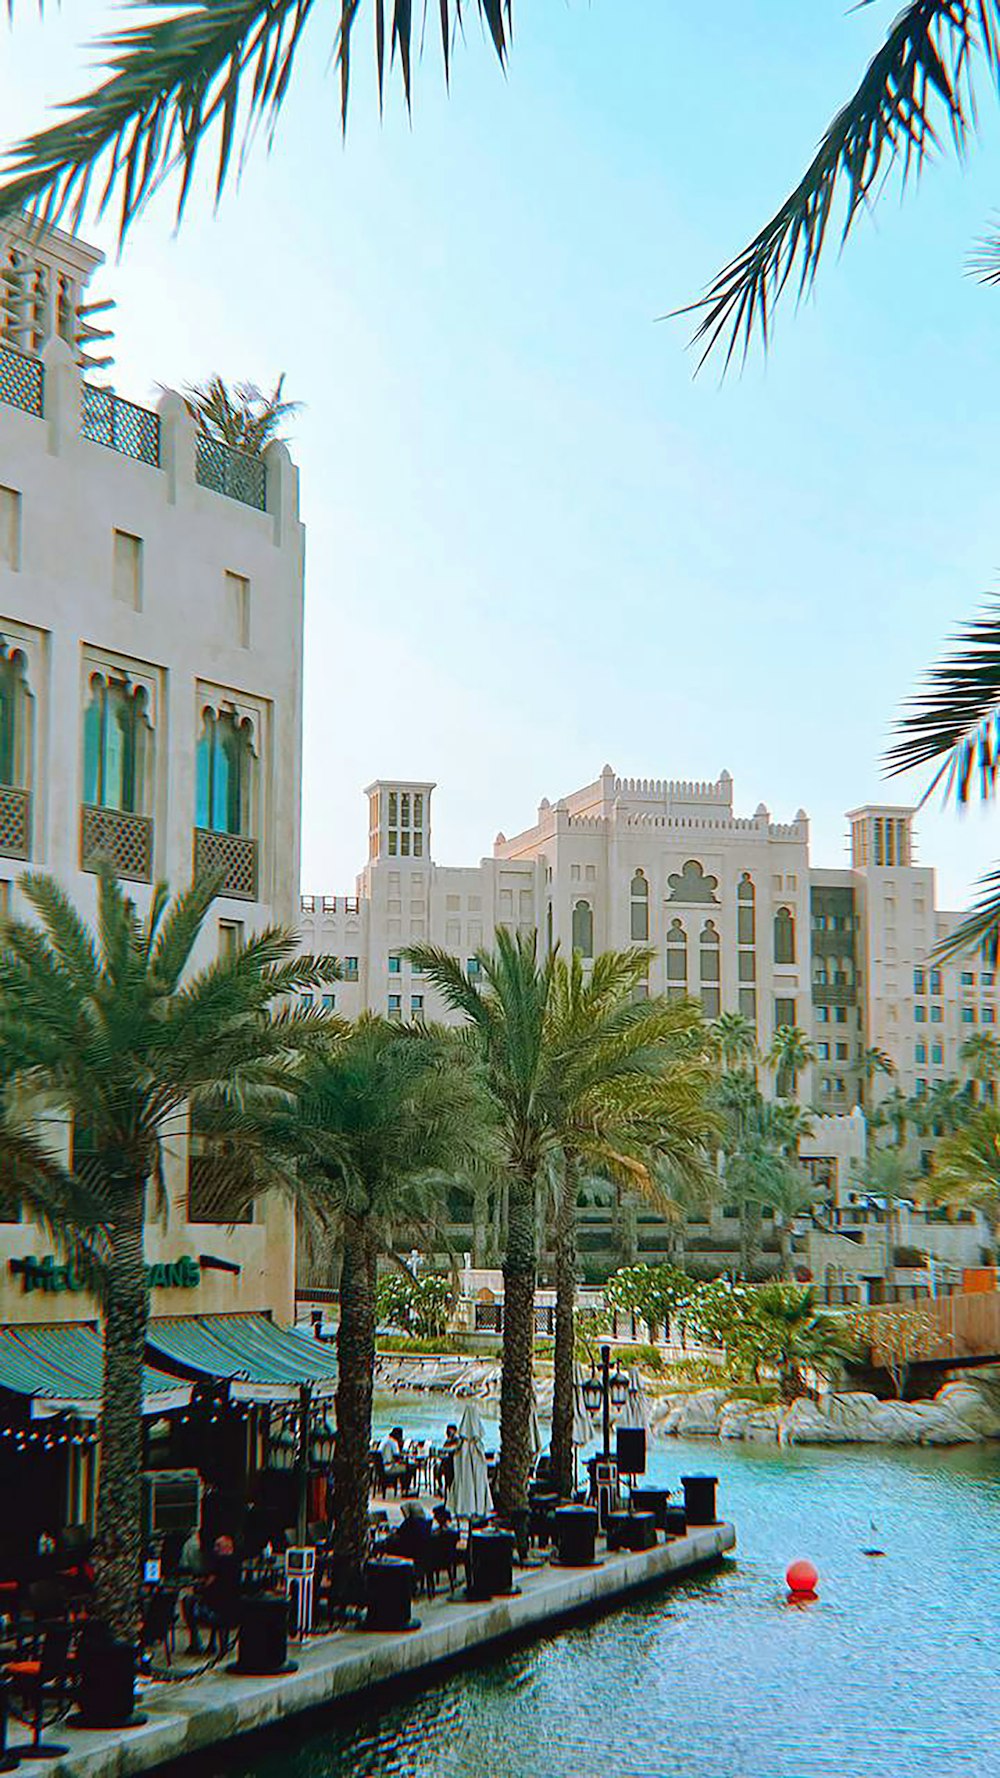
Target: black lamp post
605, 1390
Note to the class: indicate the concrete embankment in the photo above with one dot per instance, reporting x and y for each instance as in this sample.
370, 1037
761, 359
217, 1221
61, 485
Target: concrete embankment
206, 1712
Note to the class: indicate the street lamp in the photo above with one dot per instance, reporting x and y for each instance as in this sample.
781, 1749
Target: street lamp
603, 1391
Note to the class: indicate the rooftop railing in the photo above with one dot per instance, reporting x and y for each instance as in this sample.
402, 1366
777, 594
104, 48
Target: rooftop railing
22, 381
109, 420
230, 472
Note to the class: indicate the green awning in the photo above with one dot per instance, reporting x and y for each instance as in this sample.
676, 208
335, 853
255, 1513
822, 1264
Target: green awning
259, 1360
62, 1369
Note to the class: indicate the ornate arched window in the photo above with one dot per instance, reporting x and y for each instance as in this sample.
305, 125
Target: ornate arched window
117, 745
225, 773
745, 911
583, 928
709, 969
677, 966
784, 936
639, 909
16, 719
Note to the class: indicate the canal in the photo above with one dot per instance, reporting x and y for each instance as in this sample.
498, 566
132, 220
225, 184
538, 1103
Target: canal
895, 1670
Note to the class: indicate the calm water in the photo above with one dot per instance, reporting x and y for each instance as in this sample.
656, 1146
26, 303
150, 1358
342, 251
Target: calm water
895, 1671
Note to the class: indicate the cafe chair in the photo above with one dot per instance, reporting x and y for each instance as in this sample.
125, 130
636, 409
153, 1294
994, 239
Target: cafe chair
46, 1678
159, 1623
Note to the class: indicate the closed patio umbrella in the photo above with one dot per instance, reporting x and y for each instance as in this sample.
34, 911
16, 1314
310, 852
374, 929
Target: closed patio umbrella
534, 1430
469, 1494
583, 1430
636, 1410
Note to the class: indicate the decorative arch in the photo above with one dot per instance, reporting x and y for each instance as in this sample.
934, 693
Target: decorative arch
784, 936
746, 911
677, 966
710, 952
583, 928
639, 908
691, 884
17, 718
225, 772
117, 745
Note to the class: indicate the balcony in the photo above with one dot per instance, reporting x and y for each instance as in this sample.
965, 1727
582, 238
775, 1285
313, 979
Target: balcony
233, 473
15, 822
231, 856
120, 425
115, 837
22, 382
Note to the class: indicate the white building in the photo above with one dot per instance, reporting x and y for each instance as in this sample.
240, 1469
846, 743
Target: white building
151, 607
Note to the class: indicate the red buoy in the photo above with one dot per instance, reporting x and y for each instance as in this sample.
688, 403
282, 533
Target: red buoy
802, 1578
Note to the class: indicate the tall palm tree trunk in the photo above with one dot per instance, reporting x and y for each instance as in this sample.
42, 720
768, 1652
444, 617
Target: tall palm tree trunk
518, 1344
355, 1381
119, 1492
561, 1447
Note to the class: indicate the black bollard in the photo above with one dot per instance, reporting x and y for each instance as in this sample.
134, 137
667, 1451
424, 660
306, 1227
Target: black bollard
263, 1636
491, 1564
8, 1760
389, 1582
699, 1498
576, 1533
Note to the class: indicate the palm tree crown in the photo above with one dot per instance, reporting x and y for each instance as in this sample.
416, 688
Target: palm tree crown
242, 416
113, 1032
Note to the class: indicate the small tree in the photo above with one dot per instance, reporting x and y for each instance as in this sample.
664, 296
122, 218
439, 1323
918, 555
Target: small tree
653, 1293
898, 1336
421, 1304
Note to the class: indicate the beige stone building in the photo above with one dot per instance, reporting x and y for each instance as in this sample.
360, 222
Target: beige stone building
151, 607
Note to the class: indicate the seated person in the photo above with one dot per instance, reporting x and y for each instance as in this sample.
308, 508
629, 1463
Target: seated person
395, 1467
217, 1602
412, 1537
192, 1557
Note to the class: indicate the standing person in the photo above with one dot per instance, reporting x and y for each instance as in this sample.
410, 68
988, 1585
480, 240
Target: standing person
446, 1466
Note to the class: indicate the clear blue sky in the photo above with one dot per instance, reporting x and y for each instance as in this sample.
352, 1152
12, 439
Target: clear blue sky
535, 542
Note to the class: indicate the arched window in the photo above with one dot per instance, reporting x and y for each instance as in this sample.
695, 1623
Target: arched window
745, 911
16, 719
225, 773
548, 926
709, 970
640, 909
117, 745
677, 966
583, 928
784, 936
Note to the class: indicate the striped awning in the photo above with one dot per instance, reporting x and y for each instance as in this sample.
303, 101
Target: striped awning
258, 1359
62, 1369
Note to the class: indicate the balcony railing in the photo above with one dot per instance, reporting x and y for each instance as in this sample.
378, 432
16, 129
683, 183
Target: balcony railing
22, 381
329, 904
115, 837
225, 471
15, 822
121, 425
231, 856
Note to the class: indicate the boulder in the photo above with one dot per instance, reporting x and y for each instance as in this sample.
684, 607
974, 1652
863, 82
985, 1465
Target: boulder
750, 1421
698, 1416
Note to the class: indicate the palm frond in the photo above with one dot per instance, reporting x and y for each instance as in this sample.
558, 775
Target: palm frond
956, 718
980, 930
916, 91
215, 69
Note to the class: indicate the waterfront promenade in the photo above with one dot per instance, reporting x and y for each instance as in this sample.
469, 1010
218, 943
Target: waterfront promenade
191, 1715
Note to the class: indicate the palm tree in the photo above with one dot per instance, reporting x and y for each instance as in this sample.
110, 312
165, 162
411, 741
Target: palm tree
874, 1061
797, 1335
895, 1112
791, 1050
888, 1174
981, 1055
242, 417
377, 1121
733, 1039
113, 1031
214, 65
634, 1080
508, 1009
944, 1109
966, 1170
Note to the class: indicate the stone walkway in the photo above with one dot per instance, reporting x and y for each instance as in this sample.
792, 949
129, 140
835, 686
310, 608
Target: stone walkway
187, 1716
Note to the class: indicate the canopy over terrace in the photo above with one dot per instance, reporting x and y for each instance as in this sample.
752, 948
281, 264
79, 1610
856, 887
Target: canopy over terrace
62, 1369
259, 1360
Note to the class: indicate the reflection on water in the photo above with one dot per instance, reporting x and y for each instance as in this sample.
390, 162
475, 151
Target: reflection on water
891, 1674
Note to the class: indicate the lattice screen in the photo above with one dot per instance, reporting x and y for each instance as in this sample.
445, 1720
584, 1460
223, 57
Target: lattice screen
15, 822
126, 841
233, 855
22, 381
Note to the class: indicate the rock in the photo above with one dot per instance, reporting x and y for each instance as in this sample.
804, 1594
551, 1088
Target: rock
967, 1402
750, 1421
698, 1416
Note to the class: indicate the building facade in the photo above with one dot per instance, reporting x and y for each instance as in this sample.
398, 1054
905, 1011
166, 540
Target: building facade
151, 608
736, 914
